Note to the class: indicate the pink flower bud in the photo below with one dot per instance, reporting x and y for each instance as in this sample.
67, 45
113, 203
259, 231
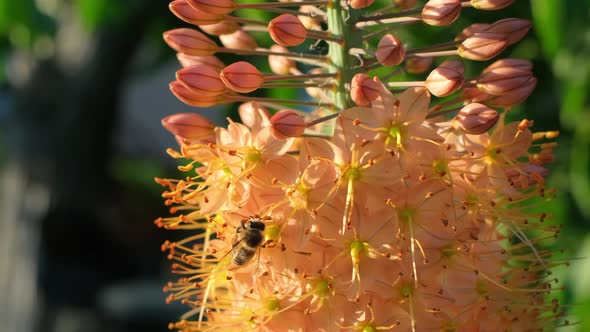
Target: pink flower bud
471, 30
239, 39
514, 28
441, 12
418, 64
501, 80
222, 28
491, 4
191, 60
190, 126
190, 42
473, 95
185, 12
515, 96
364, 90
242, 77
219, 7
511, 63
483, 46
390, 51
201, 79
475, 119
446, 78
287, 30
191, 98
404, 4
358, 4
286, 123
280, 65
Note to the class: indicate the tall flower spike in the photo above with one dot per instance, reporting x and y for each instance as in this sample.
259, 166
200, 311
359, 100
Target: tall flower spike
367, 202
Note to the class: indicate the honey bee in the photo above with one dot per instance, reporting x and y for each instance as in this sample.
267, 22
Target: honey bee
248, 239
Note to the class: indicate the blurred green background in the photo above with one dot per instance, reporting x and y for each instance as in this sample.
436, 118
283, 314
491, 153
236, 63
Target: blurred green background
83, 86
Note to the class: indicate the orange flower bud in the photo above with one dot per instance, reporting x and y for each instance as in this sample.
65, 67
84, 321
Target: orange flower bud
404, 4
221, 28
418, 64
191, 60
475, 119
491, 4
364, 90
286, 123
501, 80
511, 63
280, 65
190, 126
190, 42
201, 79
446, 78
191, 98
483, 46
219, 7
514, 28
441, 12
242, 77
515, 96
185, 12
287, 30
358, 4
239, 39
390, 51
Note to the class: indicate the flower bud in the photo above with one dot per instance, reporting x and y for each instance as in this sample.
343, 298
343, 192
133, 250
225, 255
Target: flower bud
316, 92
499, 81
190, 126
515, 96
364, 90
238, 39
418, 64
514, 28
286, 123
490, 4
404, 4
191, 98
287, 30
201, 79
309, 22
511, 63
473, 95
222, 28
252, 115
390, 51
471, 30
191, 60
446, 78
219, 7
358, 4
483, 46
441, 12
475, 119
190, 41
280, 65
185, 12
242, 77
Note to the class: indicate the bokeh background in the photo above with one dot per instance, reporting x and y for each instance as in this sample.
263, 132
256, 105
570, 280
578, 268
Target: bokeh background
83, 86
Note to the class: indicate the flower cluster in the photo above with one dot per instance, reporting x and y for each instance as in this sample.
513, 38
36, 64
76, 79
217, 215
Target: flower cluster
374, 211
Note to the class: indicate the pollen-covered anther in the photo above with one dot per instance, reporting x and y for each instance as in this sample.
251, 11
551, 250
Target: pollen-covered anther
490, 4
364, 90
358, 4
441, 12
418, 64
287, 30
446, 78
239, 39
242, 77
190, 41
475, 119
202, 80
286, 123
483, 46
390, 51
